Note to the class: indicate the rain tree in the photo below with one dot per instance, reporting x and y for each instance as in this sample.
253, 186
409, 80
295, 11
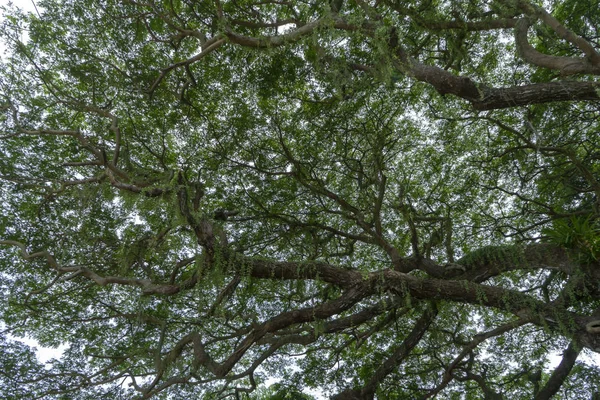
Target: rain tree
364, 199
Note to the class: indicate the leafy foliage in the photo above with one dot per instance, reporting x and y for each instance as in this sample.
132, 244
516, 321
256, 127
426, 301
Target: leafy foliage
366, 199
581, 234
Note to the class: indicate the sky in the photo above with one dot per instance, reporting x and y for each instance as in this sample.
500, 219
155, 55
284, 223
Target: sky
24, 4
27, 5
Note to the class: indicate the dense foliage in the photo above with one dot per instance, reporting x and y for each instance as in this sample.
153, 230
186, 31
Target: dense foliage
366, 199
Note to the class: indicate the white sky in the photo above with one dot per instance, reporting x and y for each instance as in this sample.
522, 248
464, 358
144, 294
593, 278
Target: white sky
24, 4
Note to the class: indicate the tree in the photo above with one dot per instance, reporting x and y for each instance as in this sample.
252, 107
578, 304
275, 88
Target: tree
382, 199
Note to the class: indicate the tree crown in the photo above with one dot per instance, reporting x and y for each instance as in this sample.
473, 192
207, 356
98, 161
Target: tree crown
365, 198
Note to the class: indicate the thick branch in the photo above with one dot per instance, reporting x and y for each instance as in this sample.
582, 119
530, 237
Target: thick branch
306, 335
487, 262
560, 373
266, 269
589, 50
566, 65
524, 306
487, 98
537, 93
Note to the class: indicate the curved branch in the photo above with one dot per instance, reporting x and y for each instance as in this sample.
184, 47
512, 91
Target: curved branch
30, 256
147, 286
305, 336
566, 65
562, 32
483, 97
560, 373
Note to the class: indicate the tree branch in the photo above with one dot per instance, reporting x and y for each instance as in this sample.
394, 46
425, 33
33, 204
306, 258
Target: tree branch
560, 373
566, 65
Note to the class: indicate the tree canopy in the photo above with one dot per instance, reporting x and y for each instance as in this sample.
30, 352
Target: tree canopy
364, 199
